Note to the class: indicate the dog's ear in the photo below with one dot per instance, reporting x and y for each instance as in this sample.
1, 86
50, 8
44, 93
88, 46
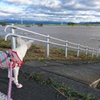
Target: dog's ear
29, 43
20, 41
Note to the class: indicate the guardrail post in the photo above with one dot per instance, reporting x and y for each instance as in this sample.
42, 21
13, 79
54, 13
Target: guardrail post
47, 46
13, 40
92, 53
78, 48
97, 53
86, 50
66, 49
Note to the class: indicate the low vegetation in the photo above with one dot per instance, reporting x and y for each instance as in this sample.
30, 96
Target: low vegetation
3, 23
38, 52
63, 90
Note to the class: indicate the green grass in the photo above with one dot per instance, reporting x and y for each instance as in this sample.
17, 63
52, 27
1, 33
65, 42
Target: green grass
4, 44
67, 92
38, 52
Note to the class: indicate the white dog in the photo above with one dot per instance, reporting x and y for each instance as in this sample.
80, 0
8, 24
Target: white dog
16, 55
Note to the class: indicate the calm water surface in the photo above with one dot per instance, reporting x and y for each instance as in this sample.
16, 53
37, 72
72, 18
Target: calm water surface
77, 34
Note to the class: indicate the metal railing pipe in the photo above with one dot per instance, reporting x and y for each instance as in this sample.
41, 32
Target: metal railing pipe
66, 44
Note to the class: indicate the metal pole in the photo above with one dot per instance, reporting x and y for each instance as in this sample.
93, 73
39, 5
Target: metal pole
66, 49
86, 50
47, 46
78, 48
97, 53
92, 53
13, 40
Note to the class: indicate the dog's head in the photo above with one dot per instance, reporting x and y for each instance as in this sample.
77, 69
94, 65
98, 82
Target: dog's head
20, 42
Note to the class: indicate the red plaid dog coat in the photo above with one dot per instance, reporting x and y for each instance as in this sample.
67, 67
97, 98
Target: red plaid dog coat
7, 56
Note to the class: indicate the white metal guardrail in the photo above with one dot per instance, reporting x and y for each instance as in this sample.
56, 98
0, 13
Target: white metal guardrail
64, 43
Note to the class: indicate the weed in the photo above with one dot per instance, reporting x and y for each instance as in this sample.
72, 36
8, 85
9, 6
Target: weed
61, 88
38, 52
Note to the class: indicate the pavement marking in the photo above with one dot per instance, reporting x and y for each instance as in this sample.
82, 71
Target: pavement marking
3, 96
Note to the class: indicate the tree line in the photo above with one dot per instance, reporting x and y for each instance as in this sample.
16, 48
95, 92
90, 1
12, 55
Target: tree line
3, 23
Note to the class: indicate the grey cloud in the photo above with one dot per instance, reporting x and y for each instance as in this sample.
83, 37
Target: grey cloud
66, 10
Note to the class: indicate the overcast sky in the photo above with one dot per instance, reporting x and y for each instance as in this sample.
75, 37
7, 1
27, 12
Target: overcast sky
52, 10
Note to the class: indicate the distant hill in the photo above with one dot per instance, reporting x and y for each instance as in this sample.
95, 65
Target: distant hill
43, 22
33, 22
89, 22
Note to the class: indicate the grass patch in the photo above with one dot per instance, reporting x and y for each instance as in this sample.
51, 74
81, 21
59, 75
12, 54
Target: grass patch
4, 44
38, 52
67, 92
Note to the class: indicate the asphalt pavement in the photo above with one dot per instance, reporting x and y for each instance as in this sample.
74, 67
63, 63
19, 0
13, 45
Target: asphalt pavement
75, 74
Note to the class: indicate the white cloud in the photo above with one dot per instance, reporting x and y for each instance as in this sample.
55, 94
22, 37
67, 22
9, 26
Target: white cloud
51, 3
91, 4
9, 10
66, 10
69, 3
18, 2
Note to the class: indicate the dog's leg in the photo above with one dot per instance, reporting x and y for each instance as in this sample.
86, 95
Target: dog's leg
16, 73
9, 74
